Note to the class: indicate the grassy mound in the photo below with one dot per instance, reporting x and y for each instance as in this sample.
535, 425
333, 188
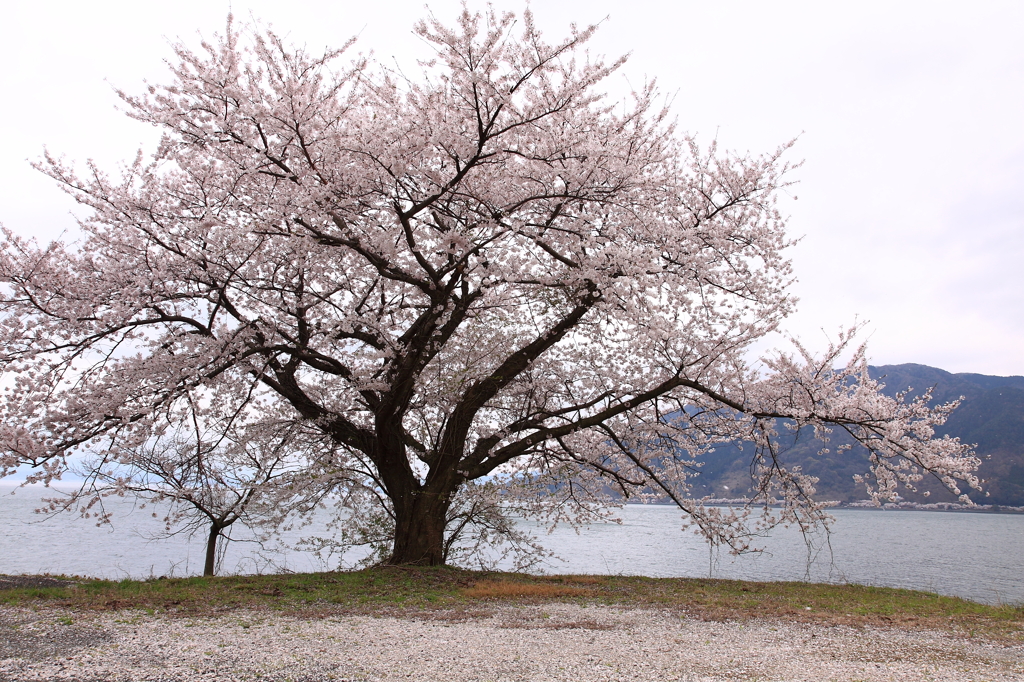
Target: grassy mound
395, 590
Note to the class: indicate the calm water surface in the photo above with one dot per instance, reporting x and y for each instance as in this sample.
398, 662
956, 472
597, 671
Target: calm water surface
976, 556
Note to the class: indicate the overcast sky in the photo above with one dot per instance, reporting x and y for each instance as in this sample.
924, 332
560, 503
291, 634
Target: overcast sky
910, 118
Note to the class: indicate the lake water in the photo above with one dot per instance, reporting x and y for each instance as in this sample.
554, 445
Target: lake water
972, 555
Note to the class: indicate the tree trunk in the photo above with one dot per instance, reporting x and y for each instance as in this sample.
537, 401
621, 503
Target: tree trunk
211, 549
419, 532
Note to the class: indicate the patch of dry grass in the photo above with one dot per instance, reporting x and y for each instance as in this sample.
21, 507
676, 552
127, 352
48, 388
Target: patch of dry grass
507, 589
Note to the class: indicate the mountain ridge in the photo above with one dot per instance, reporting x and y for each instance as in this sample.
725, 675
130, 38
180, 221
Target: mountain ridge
991, 416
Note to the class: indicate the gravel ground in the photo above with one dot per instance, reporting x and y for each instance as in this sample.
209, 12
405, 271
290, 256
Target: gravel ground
534, 643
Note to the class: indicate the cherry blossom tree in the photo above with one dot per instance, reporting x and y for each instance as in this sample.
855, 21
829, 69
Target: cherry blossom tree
205, 474
488, 285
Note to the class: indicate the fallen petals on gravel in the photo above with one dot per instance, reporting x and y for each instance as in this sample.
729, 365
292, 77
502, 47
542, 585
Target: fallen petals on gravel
535, 643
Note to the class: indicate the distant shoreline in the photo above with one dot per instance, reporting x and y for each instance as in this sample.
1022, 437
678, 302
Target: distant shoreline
714, 502
871, 506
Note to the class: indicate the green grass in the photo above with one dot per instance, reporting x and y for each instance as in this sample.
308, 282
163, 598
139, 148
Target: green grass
405, 589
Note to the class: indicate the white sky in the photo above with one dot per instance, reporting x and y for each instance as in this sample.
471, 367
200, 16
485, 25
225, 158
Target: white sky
910, 117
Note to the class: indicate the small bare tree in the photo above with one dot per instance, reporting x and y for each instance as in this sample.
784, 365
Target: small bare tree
209, 475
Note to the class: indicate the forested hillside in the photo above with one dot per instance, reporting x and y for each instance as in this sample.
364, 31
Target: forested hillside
991, 415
